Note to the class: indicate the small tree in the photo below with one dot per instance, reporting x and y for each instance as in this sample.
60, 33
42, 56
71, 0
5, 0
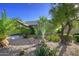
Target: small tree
42, 27
64, 16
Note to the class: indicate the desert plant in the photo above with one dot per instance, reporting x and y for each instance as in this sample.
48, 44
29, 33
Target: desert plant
42, 27
44, 50
53, 52
27, 32
76, 37
6, 27
64, 16
54, 38
37, 32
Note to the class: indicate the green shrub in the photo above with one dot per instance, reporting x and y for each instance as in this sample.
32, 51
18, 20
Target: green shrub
68, 38
76, 34
53, 52
54, 38
76, 38
44, 50
37, 32
27, 32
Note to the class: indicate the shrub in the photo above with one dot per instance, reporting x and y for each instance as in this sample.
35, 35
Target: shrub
54, 38
76, 38
76, 34
53, 52
37, 32
68, 38
25, 32
44, 50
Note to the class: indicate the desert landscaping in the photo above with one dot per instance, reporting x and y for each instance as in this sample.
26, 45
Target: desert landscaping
57, 36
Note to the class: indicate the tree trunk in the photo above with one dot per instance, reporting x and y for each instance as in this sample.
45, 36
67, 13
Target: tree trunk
62, 35
4, 43
68, 32
43, 38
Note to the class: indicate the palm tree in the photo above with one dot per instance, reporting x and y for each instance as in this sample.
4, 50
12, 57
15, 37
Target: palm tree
6, 27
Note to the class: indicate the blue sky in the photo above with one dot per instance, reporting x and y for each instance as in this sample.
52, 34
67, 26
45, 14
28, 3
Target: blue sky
26, 11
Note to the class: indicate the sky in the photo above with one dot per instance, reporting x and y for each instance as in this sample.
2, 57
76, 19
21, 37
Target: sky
26, 11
